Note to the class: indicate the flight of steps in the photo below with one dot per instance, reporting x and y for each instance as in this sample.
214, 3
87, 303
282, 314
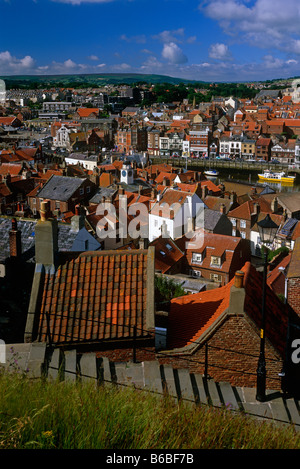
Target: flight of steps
35, 360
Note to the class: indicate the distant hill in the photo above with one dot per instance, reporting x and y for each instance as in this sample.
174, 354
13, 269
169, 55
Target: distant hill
89, 80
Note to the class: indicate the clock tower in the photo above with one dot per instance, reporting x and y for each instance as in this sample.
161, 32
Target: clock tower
127, 173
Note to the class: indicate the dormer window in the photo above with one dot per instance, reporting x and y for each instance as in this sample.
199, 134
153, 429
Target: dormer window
196, 258
216, 261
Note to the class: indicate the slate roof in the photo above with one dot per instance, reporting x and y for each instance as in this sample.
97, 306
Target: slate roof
96, 296
60, 188
103, 192
66, 238
211, 219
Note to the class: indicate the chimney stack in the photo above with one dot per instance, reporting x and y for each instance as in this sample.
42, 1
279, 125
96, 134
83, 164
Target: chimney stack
223, 209
78, 220
237, 294
15, 244
46, 238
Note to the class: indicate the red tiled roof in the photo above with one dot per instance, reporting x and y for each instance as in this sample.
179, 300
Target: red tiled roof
245, 210
7, 120
163, 175
14, 169
85, 112
211, 187
170, 197
275, 273
167, 254
96, 296
190, 316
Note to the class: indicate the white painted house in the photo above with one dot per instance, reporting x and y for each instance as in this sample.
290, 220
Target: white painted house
88, 162
173, 212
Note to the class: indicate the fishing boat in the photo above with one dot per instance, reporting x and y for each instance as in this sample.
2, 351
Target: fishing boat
211, 173
280, 177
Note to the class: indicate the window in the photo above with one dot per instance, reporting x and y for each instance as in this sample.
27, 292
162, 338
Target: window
215, 260
196, 273
243, 234
233, 233
233, 221
81, 191
88, 189
243, 223
196, 258
215, 278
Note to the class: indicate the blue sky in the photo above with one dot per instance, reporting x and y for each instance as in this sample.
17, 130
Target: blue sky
209, 40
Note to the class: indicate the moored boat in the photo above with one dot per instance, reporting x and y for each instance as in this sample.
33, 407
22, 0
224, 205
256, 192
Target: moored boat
270, 176
211, 172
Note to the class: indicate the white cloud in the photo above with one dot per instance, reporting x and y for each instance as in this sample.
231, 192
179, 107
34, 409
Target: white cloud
173, 54
11, 64
262, 23
139, 39
121, 67
79, 2
170, 36
152, 64
69, 64
220, 51
93, 57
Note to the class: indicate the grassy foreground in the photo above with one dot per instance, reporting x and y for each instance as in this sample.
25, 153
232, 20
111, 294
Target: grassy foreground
60, 415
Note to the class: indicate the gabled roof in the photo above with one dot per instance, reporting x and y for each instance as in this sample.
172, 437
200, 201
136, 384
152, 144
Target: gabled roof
96, 296
60, 188
85, 111
194, 315
172, 198
167, 254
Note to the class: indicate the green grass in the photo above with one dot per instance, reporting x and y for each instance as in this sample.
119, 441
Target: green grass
60, 415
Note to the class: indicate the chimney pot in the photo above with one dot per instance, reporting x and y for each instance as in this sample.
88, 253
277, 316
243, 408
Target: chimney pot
44, 211
239, 279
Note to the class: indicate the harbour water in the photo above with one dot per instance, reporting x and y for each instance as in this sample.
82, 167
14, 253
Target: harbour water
251, 178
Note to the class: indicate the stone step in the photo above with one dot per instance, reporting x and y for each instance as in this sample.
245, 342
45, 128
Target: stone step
152, 376
135, 375
149, 375
168, 381
70, 365
199, 389
17, 357
88, 368
228, 397
213, 393
55, 361
105, 371
185, 385
36, 360
293, 411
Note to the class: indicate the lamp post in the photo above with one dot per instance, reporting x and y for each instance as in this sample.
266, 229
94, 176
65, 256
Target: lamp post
267, 231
